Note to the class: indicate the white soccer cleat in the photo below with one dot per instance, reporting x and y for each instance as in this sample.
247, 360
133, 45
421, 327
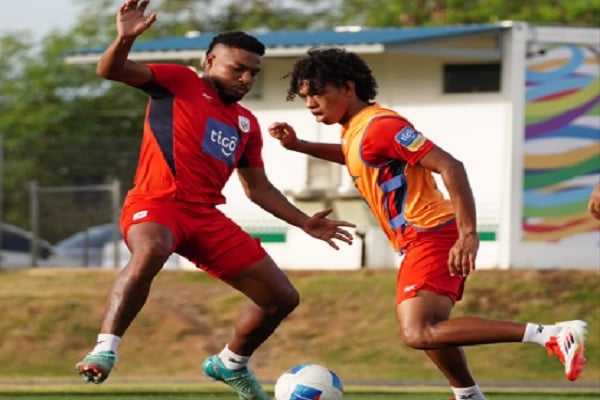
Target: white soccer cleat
568, 346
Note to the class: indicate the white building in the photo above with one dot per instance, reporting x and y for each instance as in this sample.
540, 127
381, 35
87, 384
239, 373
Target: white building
518, 104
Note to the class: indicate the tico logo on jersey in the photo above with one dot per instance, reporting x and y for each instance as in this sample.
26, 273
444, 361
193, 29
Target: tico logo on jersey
220, 141
410, 138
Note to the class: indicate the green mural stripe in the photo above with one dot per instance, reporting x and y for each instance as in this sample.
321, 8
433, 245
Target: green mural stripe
540, 180
562, 210
535, 120
554, 107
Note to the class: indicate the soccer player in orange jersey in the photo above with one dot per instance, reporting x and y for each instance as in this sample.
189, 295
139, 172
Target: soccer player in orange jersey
392, 165
195, 136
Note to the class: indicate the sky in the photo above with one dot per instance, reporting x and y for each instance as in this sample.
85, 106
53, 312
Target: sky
39, 16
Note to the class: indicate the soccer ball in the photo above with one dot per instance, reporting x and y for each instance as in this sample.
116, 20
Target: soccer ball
309, 382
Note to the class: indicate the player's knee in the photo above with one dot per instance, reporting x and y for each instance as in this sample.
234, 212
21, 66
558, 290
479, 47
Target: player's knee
150, 256
290, 301
283, 304
415, 338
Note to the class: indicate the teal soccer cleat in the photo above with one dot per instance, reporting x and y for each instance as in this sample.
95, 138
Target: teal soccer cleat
96, 367
241, 380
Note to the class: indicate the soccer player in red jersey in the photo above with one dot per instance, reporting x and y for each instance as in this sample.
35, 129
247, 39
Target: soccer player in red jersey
392, 166
195, 135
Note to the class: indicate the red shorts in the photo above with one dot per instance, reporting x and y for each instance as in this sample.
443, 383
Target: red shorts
201, 233
425, 264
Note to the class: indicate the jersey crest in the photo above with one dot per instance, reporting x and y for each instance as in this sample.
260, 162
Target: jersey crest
244, 123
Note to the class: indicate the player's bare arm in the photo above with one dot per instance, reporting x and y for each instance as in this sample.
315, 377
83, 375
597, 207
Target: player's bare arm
114, 64
286, 135
594, 203
261, 191
461, 260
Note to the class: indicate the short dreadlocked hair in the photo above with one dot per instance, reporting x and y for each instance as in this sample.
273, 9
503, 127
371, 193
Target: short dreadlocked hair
333, 66
238, 40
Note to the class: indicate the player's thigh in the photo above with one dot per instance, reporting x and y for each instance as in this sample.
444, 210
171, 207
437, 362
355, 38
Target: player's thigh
423, 285
216, 244
150, 228
425, 267
424, 309
150, 237
220, 247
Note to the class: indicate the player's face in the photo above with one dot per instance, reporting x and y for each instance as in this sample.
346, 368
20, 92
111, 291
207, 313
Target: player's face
232, 71
331, 106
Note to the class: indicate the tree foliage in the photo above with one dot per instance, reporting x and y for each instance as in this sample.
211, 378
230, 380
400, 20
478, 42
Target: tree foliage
63, 126
387, 13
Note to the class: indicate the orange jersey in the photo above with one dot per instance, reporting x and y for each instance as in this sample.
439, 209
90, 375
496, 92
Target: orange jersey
382, 151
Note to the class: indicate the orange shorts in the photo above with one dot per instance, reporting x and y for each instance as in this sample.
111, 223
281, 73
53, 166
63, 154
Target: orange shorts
425, 264
201, 233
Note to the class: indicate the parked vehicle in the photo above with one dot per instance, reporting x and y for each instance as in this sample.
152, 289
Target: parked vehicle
16, 248
174, 261
85, 248
95, 247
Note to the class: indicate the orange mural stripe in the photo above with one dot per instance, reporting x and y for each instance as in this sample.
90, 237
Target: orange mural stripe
556, 63
559, 160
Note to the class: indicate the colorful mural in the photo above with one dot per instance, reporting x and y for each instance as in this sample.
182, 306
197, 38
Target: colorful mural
562, 144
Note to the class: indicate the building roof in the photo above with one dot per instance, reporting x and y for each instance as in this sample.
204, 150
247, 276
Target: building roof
293, 43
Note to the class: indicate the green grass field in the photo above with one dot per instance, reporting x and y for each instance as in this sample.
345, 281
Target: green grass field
154, 390
195, 394
345, 321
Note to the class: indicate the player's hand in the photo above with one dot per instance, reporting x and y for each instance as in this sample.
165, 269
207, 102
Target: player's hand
594, 203
285, 133
461, 260
320, 227
130, 18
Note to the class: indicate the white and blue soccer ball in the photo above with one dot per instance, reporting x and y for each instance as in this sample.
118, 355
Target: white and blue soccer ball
309, 382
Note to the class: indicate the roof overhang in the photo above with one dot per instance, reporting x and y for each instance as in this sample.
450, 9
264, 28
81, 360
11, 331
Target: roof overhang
421, 40
190, 55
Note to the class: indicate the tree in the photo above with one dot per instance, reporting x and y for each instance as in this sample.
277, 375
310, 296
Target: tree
63, 126
387, 13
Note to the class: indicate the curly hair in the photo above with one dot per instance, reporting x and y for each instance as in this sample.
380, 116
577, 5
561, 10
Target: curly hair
335, 66
238, 40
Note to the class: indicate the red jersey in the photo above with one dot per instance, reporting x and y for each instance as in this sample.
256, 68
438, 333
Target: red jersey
382, 152
192, 141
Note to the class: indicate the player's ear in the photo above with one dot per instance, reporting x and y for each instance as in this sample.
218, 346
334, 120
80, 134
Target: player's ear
350, 88
208, 60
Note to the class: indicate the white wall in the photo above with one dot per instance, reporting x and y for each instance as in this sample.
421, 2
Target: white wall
482, 130
412, 86
461, 129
